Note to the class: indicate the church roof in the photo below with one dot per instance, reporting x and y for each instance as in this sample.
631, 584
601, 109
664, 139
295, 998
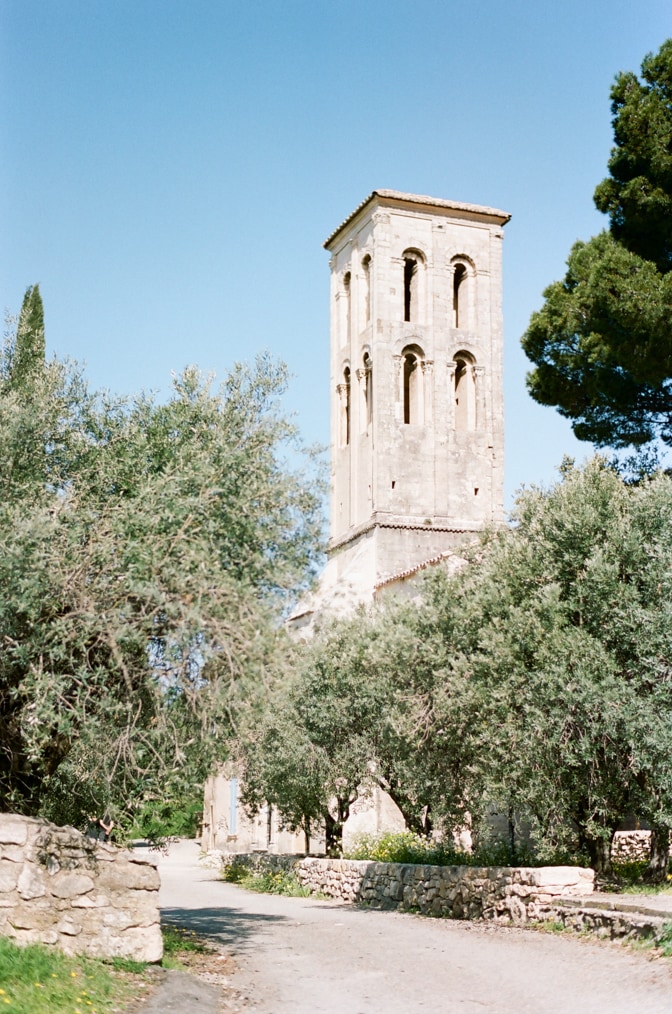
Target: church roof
434, 202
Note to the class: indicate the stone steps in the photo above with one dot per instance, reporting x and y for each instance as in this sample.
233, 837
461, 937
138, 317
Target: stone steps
616, 917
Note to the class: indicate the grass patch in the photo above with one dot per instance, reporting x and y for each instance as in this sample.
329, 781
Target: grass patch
177, 940
266, 882
38, 980
630, 877
664, 941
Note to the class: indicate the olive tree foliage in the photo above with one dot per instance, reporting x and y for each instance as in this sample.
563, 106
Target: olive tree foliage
536, 681
361, 712
147, 556
562, 631
311, 757
601, 344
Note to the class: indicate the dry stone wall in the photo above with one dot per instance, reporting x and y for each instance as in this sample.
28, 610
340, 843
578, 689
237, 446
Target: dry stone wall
504, 894
59, 887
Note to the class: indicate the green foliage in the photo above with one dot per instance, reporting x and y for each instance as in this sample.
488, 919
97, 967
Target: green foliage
601, 343
179, 940
664, 940
405, 847
39, 980
536, 683
266, 881
310, 756
157, 819
148, 552
235, 873
26, 360
633, 876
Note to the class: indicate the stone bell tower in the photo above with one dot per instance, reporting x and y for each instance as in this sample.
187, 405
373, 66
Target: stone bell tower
417, 421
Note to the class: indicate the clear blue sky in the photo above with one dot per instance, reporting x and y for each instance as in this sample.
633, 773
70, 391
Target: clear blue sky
170, 169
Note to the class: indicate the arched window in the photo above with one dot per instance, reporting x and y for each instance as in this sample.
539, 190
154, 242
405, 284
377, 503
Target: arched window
462, 282
346, 290
367, 388
413, 285
465, 392
344, 408
410, 287
366, 272
412, 385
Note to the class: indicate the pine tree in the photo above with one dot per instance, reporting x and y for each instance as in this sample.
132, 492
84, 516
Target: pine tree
601, 343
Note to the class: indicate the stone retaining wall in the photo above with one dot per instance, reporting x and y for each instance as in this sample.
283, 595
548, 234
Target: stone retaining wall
59, 887
506, 894
610, 924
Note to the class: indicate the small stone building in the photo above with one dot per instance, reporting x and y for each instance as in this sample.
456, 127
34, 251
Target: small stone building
417, 423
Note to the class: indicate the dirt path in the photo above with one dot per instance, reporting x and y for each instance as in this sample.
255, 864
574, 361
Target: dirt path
303, 956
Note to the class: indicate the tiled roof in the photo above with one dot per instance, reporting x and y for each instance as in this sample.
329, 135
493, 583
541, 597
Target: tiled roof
435, 202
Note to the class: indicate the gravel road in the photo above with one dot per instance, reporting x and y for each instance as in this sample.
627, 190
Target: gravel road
304, 956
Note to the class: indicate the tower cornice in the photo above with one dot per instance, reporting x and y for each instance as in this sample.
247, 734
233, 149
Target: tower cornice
397, 199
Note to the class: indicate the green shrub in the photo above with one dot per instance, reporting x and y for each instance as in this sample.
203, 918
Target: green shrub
407, 847
158, 819
178, 940
664, 940
403, 847
235, 873
265, 881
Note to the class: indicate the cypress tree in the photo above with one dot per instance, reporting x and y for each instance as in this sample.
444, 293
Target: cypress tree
29, 349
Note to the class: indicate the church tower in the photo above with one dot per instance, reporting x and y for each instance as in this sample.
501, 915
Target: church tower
417, 422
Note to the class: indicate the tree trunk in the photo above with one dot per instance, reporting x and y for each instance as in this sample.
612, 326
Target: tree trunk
659, 855
512, 836
333, 829
599, 852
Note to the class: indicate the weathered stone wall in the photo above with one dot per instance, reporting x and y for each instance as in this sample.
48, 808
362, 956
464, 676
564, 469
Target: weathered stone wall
505, 894
458, 892
631, 846
59, 887
597, 917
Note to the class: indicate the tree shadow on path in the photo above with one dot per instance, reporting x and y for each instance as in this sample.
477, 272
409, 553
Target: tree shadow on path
230, 926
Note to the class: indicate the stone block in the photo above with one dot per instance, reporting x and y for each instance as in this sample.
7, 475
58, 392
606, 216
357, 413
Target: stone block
30, 883
13, 831
12, 854
124, 876
70, 885
558, 877
69, 927
9, 875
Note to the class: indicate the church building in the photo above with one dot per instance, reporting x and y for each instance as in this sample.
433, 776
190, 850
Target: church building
417, 417
417, 428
